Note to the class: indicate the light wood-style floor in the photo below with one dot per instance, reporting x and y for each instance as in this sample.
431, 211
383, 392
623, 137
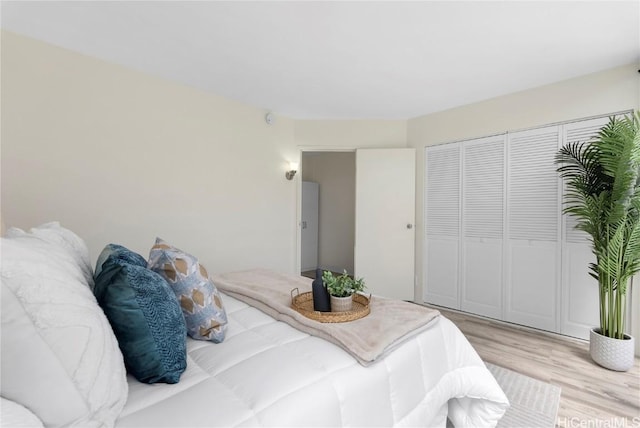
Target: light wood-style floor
592, 397
312, 274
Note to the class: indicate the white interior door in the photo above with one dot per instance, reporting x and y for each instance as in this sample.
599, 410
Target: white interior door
385, 213
309, 226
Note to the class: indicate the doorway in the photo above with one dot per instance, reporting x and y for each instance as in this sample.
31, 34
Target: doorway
376, 232
328, 222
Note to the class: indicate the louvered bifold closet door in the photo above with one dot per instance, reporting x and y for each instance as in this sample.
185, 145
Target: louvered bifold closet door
579, 290
482, 225
442, 212
533, 213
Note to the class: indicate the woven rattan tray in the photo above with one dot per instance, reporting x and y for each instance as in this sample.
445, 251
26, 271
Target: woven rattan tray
303, 303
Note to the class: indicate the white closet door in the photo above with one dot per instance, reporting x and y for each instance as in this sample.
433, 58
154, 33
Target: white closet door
482, 225
442, 211
579, 290
533, 212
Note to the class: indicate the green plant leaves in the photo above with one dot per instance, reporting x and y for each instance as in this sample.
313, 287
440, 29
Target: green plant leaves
602, 178
342, 285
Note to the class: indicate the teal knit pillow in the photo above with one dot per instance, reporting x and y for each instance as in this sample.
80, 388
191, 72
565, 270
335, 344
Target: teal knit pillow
146, 319
117, 252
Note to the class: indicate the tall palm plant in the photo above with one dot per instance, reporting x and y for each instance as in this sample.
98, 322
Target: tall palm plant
603, 193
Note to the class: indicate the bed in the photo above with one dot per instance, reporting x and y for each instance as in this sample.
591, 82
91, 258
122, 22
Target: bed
265, 373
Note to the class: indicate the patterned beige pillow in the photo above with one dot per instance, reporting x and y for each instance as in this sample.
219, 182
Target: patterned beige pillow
199, 298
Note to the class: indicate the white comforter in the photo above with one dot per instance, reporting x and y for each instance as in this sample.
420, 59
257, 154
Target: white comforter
267, 373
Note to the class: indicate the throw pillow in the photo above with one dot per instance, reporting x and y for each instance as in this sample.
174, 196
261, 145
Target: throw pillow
70, 244
54, 233
199, 298
145, 316
60, 358
15, 415
118, 253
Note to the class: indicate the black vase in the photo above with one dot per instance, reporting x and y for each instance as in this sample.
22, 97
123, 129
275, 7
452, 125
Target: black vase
321, 300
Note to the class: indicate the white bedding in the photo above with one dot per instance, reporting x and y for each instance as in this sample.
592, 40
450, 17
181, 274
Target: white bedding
267, 373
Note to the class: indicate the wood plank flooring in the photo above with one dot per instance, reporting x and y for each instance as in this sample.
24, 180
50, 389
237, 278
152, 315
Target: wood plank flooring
592, 397
312, 274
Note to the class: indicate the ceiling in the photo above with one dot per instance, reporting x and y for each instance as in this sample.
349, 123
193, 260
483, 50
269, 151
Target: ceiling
345, 60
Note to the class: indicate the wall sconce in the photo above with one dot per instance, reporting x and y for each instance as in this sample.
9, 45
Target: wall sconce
293, 168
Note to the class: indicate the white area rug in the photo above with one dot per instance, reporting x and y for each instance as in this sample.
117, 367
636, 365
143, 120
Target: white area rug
534, 404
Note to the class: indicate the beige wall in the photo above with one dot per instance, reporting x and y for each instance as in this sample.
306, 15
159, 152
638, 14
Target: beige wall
350, 133
591, 95
336, 174
121, 156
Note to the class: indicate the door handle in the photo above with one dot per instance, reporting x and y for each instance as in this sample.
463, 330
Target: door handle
409, 226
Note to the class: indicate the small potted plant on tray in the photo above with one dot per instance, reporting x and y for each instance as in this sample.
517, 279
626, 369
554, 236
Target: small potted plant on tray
341, 289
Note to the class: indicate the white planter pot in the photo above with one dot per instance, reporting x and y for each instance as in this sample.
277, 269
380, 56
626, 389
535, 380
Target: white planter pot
341, 304
613, 354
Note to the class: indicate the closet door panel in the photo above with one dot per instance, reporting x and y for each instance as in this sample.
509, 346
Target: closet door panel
482, 292
580, 310
533, 211
482, 225
442, 213
533, 278
579, 292
442, 273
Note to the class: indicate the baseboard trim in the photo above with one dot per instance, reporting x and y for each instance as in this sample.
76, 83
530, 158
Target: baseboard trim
509, 324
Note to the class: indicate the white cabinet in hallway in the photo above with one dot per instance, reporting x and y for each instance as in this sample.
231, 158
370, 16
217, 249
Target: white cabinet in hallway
309, 226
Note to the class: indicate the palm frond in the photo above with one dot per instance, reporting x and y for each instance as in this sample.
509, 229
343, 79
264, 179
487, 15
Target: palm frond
632, 251
619, 157
602, 180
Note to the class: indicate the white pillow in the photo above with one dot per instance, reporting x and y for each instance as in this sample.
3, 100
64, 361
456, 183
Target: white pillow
60, 358
72, 244
14, 415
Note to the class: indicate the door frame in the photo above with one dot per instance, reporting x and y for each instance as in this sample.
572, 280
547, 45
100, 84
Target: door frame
301, 150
